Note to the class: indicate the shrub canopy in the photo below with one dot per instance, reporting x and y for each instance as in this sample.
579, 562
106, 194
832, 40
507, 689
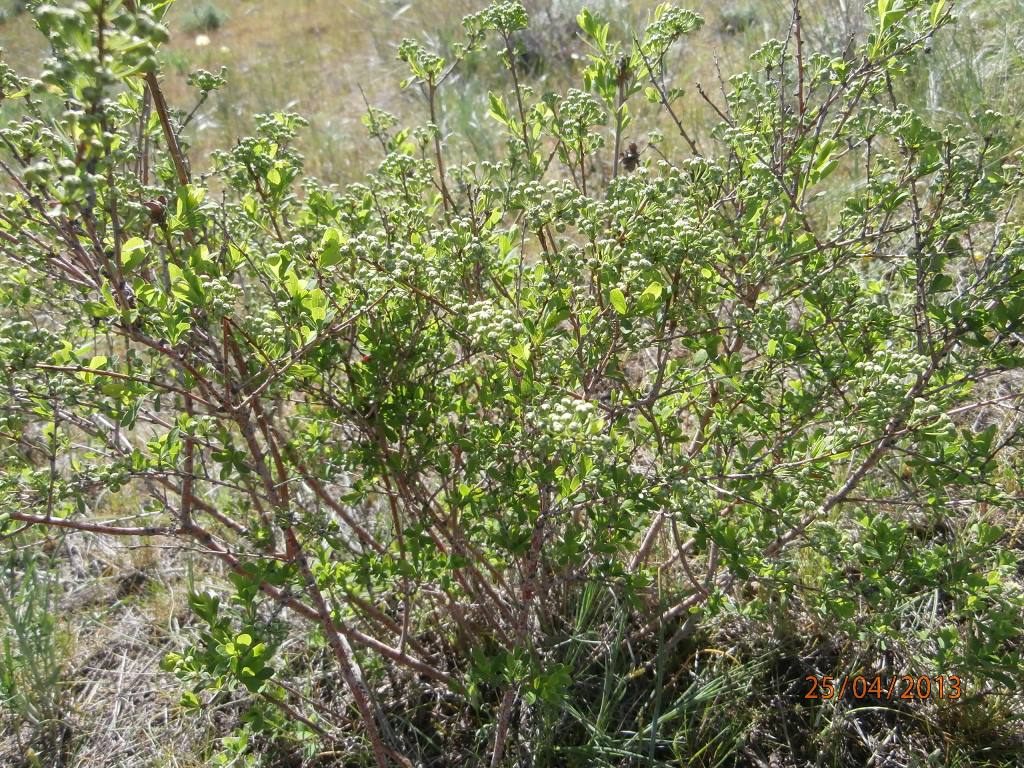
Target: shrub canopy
487, 424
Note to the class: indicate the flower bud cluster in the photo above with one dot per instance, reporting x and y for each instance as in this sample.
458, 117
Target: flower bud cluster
637, 264
568, 423
492, 326
222, 294
888, 373
882, 383
265, 325
930, 415
845, 435
397, 165
404, 261
804, 502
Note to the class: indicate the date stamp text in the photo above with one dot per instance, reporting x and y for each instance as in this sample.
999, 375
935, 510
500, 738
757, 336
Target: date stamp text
906, 687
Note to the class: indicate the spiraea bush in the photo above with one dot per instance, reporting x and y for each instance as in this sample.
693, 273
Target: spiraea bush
587, 455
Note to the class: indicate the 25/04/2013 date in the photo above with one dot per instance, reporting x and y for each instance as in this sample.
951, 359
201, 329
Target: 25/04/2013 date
876, 687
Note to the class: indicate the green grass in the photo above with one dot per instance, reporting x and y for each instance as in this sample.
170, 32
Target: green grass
34, 650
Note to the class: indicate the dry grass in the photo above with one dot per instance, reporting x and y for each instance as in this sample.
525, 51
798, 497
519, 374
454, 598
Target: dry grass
318, 58
122, 608
315, 57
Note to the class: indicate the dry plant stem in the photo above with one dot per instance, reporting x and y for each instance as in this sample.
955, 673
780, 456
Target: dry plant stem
165, 121
208, 509
177, 359
293, 713
517, 87
77, 525
446, 198
343, 654
307, 477
650, 536
663, 97
278, 495
501, 733
384, 620
685, 562
397, 655
478, 588
460, 544
293, 604
647, 543
529, 588
798, 33
396, 522
295, 552
189, 468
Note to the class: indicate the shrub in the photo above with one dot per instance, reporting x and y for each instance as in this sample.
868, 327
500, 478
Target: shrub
736, 18
205, 18
517, 439
9, 10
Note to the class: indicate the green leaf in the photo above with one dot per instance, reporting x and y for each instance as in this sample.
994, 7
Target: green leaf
98, 309
651, 294
618, 300
316, 302
520, 354
330, 248
133, 252
555, 317
587, 22
498, 110
303, 370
